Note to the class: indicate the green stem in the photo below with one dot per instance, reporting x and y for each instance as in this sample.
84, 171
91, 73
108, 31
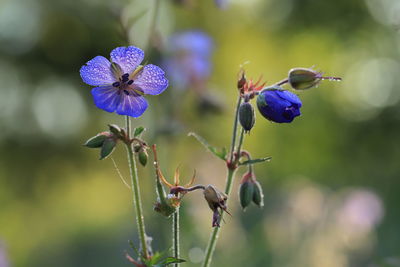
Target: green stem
228, 185
136, 193
239, 148
214, 235
175, 232
234, 131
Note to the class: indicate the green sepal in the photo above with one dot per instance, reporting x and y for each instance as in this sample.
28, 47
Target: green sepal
254, 161
138, 131
258, 195
142, 155
220, 154
95, 141
246, 192
107, 148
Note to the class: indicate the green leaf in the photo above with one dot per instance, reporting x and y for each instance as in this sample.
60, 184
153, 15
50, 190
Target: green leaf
253, 161
138, 131
133, 247
171, 260
220, 154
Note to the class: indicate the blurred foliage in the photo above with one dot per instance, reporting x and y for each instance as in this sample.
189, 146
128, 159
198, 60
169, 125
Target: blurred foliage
60, 206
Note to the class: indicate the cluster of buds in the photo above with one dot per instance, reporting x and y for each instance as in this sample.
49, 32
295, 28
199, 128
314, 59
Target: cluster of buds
108, 140
250, 191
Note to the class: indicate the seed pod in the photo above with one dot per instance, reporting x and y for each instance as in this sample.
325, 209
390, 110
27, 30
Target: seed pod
247, 116
142, 155
97, 141
246, 192
258, 196
107, 147
301, 78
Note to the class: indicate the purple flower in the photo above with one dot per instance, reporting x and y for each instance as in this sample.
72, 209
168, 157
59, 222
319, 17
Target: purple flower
188, 64
122, 83
278, 105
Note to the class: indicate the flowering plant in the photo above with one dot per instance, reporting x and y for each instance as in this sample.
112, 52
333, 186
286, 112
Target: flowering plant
120, 86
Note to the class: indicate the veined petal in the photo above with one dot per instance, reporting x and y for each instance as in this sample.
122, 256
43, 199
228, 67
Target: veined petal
289, 96
152, 80
106, 97
97, 72
131, 104
127, 57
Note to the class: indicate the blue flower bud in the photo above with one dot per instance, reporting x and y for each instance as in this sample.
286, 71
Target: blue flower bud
278, 105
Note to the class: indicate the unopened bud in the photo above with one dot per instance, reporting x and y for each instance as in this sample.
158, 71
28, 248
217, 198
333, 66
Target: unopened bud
97, 141
107, 147
258, 196
246, 192
247, 116
302, 78
115, 129
142, 155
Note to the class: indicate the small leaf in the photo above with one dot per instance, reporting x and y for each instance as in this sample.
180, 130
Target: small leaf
107, 148
171, 260
133, 247
220, 154
253, 161
138, 131
96, 141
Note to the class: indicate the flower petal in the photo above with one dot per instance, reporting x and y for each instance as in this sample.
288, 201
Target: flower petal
97, 72
128, 58
289, 96
132, 105
106, 97
152, 80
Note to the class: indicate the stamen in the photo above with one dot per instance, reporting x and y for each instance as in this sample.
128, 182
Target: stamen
125, 77
126, 92
130, 82
116, 84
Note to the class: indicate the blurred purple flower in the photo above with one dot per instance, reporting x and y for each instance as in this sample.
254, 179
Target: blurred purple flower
188, 64
221, 3
3, 257
122, 83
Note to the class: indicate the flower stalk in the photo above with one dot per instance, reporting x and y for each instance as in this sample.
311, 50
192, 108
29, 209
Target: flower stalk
137, 202
175, 235
232, 166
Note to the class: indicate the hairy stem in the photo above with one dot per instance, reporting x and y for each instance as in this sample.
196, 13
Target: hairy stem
228, 185
234, 131
175, 233
214, 235
137, 202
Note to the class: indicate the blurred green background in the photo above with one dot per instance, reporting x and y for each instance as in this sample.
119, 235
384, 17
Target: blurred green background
331, 190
